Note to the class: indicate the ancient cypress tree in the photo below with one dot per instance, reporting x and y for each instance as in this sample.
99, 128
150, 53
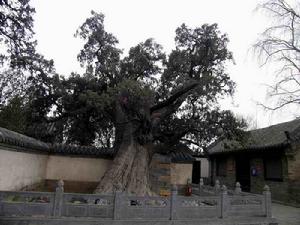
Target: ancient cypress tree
136, 104
150, 101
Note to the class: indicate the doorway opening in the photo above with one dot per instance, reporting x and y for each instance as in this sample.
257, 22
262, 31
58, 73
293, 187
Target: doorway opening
243, 172
196, 173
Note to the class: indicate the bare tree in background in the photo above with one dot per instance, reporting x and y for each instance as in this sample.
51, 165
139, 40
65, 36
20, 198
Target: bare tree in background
280, 44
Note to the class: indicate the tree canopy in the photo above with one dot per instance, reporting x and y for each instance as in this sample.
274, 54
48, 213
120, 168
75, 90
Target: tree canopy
167, 98
22, 67
137, 104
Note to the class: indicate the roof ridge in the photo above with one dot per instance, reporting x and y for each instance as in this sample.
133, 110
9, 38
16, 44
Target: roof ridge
277, 125
22, 141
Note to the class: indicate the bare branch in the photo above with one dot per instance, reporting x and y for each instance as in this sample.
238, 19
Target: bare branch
279, 43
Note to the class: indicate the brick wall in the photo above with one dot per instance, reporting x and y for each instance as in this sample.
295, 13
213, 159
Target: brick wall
164, 173
160, 172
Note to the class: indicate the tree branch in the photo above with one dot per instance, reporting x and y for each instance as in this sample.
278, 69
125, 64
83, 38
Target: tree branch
186, 88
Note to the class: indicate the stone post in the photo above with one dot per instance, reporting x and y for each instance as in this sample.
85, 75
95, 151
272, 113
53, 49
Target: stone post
117, 203
267, 201
58, 199
223, 202
201, 183
173, 202
1, 199
237, 189
217, 186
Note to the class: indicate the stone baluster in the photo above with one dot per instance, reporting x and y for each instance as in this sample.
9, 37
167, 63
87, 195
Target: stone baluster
117, 204
237, 189
267, 201
58, 199
223, 202
173, 202
201, 184
217, 186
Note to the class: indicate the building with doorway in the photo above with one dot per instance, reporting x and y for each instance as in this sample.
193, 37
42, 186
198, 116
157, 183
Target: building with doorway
269, 156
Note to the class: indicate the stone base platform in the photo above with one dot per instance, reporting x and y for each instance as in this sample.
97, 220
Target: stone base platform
93, 221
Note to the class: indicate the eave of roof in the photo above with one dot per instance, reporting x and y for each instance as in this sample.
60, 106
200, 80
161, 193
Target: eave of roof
181, 157
18, 142
276, 147
273, 137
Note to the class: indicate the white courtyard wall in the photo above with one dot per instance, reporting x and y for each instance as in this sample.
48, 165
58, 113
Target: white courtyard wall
204, 167
19, 169
76, 168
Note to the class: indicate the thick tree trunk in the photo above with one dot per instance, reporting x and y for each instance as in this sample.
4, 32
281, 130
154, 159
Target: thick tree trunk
128, 172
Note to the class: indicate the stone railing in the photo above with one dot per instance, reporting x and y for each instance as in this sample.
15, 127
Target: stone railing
121, 206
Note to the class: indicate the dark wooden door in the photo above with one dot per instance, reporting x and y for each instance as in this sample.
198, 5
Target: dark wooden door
196, 173
243, 172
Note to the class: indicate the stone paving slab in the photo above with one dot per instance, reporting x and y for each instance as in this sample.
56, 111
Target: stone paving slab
79, 221
286, 215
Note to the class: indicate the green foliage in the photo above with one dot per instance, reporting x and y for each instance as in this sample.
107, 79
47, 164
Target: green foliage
165, 99
16, 29
13, 115
22, 68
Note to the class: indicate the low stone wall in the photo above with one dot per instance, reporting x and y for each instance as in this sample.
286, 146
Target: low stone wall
19, 169
126, 207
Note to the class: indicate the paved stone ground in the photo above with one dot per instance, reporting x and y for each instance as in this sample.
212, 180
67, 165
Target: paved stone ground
286, 215
85, 221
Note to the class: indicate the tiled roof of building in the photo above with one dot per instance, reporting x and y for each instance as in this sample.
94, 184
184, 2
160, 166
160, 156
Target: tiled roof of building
181, 157
28, 144
181, 153
271, 137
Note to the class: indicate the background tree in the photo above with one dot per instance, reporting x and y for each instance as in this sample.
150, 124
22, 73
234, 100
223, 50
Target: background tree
280, 44
13, 116
19, 61
26, 77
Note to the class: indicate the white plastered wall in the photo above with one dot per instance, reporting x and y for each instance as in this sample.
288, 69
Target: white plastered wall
204, 167
19, 169
76, 168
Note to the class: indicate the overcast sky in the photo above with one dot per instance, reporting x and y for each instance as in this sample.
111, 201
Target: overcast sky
133, 21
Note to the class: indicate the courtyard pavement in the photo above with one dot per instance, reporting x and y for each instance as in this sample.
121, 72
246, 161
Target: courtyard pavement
286, 215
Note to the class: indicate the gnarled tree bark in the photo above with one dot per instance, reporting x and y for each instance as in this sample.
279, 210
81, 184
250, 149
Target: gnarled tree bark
129, 170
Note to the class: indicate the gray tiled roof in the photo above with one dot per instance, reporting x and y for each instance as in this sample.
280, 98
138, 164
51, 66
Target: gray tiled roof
181, 153
181, 157
28, 144
264, 138
13, 138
